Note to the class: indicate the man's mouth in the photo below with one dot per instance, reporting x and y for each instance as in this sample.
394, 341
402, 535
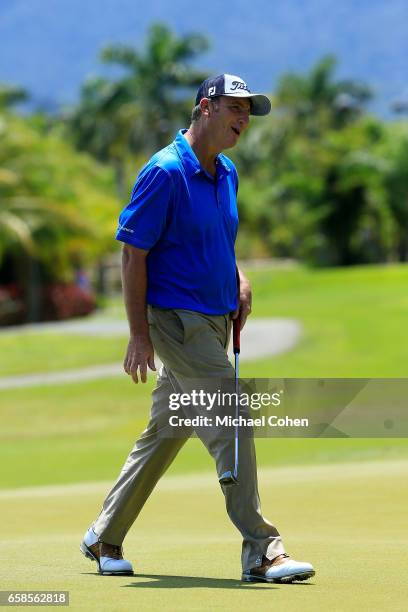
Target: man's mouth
235, 130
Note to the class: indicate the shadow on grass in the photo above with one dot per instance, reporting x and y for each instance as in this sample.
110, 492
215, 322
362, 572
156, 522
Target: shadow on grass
161, 581
158, 581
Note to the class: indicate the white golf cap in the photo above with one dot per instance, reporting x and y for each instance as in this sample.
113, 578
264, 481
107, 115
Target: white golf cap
231, 85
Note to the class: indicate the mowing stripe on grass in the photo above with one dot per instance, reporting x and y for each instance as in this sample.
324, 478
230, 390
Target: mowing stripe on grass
198, 481
347, 519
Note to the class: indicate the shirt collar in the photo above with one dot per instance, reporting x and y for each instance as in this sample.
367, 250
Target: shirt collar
189, 158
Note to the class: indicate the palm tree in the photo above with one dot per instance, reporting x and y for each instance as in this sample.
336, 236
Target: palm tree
34, 231
55, 206
102, 123
24, 219
159, 79
139, 111
318, 96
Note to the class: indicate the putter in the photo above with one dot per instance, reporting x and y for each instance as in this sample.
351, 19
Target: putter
231, 477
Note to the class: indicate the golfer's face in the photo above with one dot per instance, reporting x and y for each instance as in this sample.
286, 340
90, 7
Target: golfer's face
230, 118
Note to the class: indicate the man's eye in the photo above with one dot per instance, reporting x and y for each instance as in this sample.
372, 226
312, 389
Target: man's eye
238, 109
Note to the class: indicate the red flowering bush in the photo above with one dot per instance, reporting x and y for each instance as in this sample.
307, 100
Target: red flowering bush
66, 300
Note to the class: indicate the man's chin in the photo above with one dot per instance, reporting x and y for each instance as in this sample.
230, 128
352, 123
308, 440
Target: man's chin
232, 142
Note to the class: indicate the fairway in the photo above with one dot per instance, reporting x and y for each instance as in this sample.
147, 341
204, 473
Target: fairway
353, 321
83, 432
339, 503
347, 519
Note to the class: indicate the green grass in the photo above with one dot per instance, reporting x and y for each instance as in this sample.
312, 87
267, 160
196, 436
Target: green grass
83, 432
354, 320
339, 503
354, 324
33, 352
348, 520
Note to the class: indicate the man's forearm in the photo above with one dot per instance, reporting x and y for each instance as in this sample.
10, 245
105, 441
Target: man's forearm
245, 298
242, 278
134, 282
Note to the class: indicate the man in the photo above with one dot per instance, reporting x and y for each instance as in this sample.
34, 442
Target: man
180, 289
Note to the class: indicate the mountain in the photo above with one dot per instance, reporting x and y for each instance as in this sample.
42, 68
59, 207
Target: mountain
51, 46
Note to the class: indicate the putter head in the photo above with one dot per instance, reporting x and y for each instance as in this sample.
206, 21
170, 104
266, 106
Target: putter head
228, 478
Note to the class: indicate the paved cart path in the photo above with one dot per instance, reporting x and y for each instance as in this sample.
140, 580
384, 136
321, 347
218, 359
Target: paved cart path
260, 338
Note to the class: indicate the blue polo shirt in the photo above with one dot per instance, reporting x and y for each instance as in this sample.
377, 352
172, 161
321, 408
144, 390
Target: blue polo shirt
188, 222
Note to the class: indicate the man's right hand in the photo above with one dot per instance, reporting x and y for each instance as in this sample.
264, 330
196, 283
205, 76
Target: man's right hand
139, 355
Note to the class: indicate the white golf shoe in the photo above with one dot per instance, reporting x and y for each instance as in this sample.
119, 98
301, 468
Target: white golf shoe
284, 572
108, 557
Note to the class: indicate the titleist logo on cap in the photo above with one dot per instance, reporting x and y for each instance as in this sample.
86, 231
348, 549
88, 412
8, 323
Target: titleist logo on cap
233, 83
238, 85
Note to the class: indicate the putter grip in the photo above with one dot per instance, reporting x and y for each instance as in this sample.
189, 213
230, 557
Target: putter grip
236, 336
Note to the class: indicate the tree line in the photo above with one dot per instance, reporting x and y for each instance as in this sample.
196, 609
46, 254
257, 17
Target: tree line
321, 180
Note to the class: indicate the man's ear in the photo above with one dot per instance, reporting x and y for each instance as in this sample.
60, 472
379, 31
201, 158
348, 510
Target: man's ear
205, 106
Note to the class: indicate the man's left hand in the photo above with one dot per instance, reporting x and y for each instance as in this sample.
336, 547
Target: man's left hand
245, 301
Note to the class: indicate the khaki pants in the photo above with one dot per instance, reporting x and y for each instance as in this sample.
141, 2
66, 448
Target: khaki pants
190, 345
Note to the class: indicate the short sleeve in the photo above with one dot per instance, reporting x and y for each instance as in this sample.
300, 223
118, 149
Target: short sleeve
143, 221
